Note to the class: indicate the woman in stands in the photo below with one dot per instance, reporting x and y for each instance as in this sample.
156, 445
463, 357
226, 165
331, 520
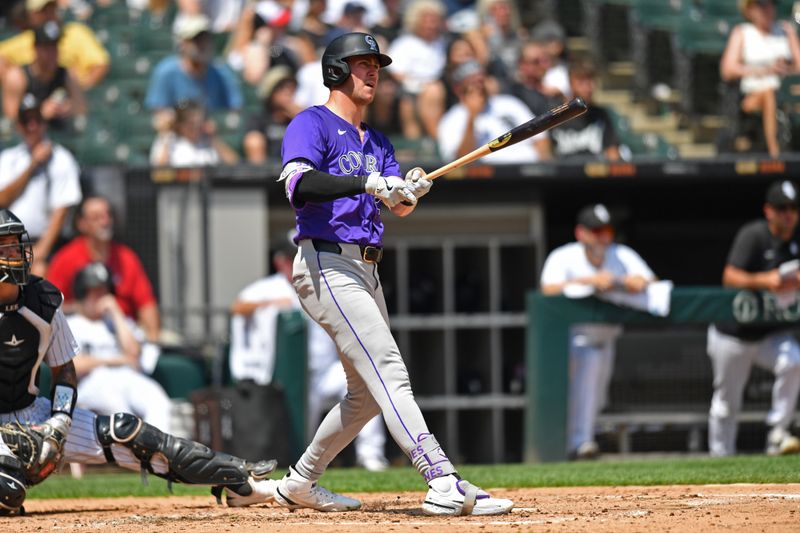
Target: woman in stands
759, 53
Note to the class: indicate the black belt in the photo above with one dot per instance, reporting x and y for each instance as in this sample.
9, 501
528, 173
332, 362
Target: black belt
370, 254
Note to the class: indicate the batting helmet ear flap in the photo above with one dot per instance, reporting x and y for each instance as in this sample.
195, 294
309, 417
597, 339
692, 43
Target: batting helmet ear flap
336, 72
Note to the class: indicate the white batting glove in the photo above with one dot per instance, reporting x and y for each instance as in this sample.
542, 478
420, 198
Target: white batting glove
391, 190
417, 183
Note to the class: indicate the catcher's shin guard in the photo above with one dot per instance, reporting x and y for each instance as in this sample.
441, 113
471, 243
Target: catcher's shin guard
188, 461
12, 489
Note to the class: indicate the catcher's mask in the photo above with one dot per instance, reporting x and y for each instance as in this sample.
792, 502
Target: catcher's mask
16, 254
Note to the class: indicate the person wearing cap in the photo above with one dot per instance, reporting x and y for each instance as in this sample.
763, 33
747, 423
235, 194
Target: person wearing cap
759, 53
191, 75
61, 95
109, 373
79, 49
552, 36
498, 38
265, 131
763, 257
591, 135
479, 117
594, 263
39, 180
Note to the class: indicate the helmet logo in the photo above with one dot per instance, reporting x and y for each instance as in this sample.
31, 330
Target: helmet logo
371, 43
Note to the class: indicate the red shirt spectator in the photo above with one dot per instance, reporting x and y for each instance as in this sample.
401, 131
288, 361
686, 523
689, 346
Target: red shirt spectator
132, 288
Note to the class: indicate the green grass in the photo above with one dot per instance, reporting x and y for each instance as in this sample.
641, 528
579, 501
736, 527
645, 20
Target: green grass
690, 471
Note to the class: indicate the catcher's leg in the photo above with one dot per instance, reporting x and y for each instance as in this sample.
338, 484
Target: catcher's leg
12, 488
185, 461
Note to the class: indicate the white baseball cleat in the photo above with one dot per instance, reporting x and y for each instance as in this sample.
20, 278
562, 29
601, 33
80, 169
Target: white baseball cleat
372, 463
251, 493
450, 495
781, 442
296, 492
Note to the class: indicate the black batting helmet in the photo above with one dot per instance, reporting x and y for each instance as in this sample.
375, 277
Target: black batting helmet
335, 69
92, 275
15, 258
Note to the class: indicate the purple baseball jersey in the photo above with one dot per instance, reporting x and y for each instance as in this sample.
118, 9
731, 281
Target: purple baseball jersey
330, 144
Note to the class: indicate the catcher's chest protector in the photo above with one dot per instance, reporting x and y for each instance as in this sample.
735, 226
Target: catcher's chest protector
19, 344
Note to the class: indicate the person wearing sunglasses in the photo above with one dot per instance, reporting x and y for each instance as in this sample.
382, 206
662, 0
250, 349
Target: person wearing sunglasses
594, 263
763, 257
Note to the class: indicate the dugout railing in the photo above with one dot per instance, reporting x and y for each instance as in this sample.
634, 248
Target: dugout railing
549, 320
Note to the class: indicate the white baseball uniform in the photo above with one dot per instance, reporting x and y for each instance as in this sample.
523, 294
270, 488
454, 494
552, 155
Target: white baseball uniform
591, 347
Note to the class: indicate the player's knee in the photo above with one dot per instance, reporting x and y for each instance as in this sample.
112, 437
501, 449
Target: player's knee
119, 427
12, 488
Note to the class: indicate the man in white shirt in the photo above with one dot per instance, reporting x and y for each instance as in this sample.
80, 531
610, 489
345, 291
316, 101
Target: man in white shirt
596, 261
480, 117
253, 329
39, 181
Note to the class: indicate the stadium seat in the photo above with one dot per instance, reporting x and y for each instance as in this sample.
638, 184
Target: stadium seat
652, 24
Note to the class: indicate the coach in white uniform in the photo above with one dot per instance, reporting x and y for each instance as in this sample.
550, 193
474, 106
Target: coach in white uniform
595, 260
754, 262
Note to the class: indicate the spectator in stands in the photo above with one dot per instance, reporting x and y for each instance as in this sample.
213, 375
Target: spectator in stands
193, 141
222, 15
314, 29
253, 329
108, 368
552, 37
352, 19
191, 75
262, 141
375, 11
94, 221
78, 50
763, 257
479, 117
759, 53
418, 58
40, 180
591, 134
529, 85
53, 85
261, 41
598, 263
438, 96
497, 40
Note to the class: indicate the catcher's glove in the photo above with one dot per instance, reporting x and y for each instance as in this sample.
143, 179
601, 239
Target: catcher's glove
38, 447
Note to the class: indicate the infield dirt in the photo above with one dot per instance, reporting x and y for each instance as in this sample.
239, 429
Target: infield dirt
697, 508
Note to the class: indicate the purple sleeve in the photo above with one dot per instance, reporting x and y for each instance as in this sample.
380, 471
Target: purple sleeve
304, 139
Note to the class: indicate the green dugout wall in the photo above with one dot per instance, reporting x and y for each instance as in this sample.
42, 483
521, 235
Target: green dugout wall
549, 320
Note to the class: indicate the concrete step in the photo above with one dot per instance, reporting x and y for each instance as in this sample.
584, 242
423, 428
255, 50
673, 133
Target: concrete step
618, 75
641, 121
617, 99
678, 137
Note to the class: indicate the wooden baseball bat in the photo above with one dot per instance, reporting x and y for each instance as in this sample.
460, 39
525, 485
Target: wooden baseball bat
551, 119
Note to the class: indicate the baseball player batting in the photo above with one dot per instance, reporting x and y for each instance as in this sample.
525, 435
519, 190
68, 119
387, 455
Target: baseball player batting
36, 434
337, 172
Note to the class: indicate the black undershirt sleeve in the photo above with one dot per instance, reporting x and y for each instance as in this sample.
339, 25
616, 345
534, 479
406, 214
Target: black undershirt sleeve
316, 186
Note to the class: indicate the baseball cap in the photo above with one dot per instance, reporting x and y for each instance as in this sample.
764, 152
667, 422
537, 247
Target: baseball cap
354, 8
272, 79
37, 5
594, 216
782, 193
547, 31
190, 26
47, 33
28, 103
466, 69
92, 275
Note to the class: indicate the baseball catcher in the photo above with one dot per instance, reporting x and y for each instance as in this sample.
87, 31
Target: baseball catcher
37, 434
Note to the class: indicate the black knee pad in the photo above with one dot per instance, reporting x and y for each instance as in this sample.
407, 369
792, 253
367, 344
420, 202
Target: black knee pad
12, 488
